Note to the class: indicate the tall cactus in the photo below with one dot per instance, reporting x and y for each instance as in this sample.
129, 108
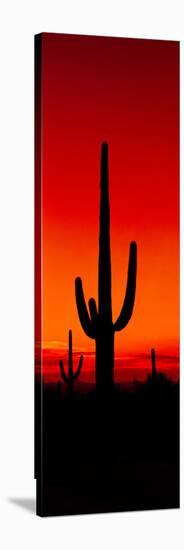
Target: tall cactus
99, 325
71, 376
153, 365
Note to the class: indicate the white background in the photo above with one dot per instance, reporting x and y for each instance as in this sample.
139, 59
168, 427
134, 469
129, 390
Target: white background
19, 21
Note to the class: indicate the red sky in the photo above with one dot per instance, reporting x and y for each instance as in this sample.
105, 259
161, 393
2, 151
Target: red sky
125, 92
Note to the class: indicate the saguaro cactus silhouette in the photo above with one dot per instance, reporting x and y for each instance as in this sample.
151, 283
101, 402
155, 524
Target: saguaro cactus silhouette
71, 376
153, 365
99, 325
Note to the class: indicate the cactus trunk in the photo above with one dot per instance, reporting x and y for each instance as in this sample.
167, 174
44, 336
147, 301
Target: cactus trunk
105, 359
105, 336
104, 264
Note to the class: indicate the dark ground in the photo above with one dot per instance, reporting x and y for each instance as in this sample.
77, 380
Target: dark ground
107, 453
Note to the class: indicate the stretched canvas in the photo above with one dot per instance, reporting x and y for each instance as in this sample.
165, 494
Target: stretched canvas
106, 274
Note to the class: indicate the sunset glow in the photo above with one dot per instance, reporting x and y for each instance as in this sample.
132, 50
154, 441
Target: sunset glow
125, 92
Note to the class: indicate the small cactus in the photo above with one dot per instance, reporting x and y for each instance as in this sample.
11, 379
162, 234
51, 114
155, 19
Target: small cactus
153, 365
71, 376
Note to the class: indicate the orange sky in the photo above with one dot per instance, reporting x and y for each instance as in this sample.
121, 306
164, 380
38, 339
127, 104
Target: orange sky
125, 92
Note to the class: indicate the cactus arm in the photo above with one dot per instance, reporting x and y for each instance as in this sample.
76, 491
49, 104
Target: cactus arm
85, 320
79, 368
128, 304
93, 309
63, 375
